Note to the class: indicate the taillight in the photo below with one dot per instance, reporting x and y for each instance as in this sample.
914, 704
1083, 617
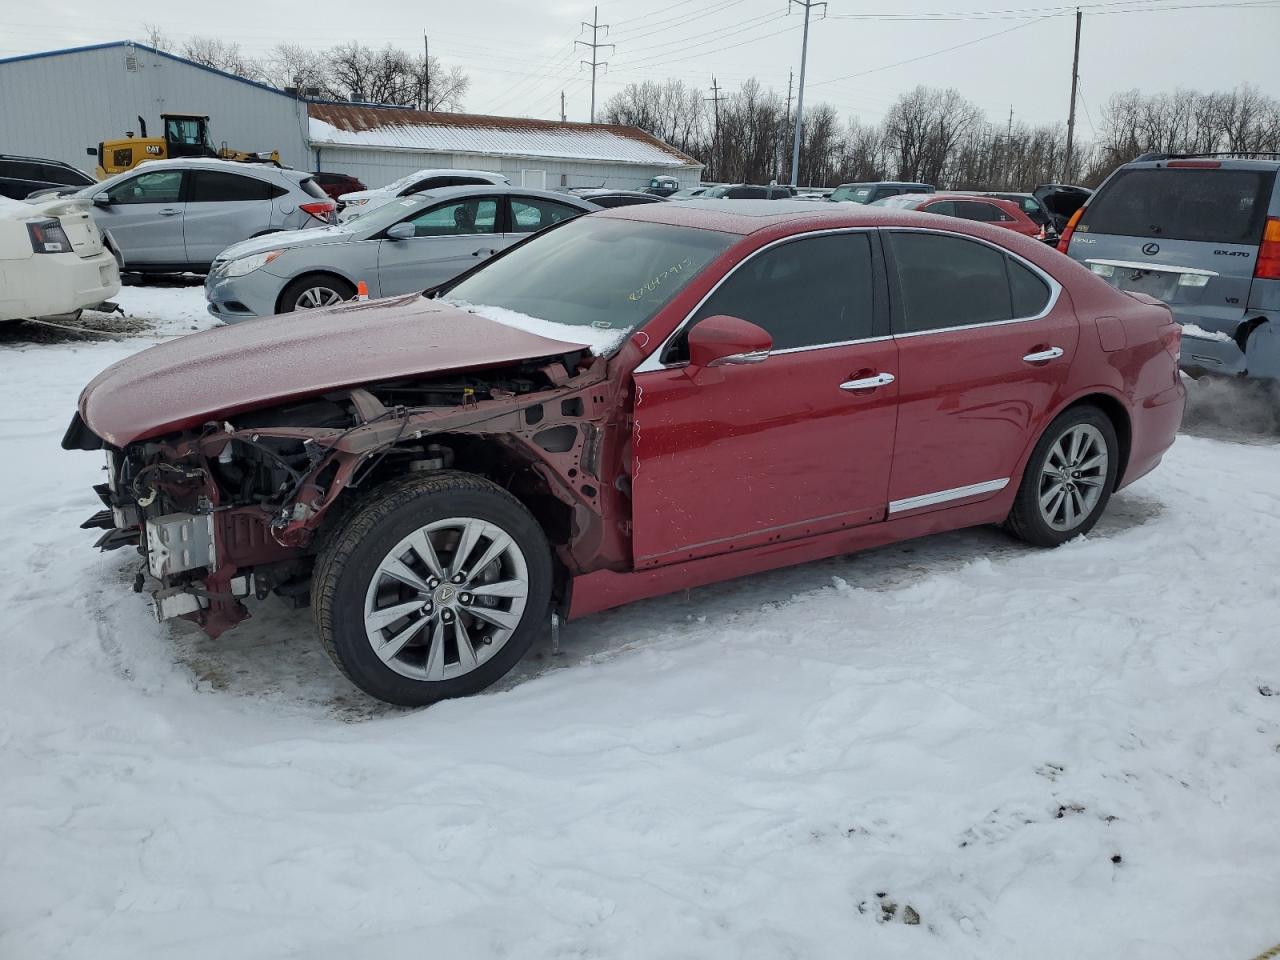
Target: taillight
1195, 164
1064, 241
47, 236
1268, 263
322, 210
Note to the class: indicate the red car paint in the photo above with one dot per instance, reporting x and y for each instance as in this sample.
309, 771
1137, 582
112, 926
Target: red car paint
179, 384
1018, 221
685, 475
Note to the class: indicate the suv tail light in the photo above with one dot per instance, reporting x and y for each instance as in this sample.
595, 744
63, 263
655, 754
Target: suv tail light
322, 210
1064, 241
1268, 263
47, 236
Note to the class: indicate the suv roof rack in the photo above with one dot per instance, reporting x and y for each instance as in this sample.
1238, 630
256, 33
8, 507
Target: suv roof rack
1228, 154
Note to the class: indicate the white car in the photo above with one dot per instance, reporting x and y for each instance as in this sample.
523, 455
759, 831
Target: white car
53, 259
360, 202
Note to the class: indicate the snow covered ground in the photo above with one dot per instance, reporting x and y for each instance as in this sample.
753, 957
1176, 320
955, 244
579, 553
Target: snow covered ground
1064, 754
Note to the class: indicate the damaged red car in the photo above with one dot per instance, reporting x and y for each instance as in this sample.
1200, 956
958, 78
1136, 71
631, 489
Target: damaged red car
639, 401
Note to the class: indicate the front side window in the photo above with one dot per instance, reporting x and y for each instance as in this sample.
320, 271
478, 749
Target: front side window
159, 186
531, 214
805, 293
595, 272
460, 218
977, 210
214, 186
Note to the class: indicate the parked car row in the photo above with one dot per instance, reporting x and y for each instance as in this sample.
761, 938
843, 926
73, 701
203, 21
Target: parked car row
446, 474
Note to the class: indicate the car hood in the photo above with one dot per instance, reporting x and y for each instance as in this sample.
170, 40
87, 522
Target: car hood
287, 240
228, 370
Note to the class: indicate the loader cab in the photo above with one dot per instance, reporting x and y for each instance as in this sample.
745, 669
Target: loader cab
187, 136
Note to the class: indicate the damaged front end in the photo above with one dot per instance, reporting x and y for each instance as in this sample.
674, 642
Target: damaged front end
241, 505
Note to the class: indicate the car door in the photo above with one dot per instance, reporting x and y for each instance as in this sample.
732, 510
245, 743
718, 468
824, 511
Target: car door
985, 344
223, 208
738, 456
448, 238
144, 214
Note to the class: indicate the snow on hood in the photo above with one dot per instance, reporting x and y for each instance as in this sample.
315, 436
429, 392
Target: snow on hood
600, 341
312, 236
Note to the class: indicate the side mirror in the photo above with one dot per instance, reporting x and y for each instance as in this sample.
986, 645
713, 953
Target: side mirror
722, 340
102, 199
401, 231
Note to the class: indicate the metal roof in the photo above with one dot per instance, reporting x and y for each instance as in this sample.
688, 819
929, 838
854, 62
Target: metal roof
395, 128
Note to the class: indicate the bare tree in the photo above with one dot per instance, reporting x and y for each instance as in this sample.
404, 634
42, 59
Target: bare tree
153, 36
221, 55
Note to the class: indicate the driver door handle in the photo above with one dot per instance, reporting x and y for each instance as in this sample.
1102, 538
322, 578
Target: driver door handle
869, 383
169, 212
484, 250
1042, 356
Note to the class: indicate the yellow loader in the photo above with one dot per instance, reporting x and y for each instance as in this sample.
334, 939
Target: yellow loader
185, 135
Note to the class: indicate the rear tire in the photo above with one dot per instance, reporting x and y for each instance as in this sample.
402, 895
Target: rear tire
1068, 480
434, 588
315, 290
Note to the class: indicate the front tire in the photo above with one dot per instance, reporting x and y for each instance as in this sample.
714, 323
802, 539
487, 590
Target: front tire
433, 589
313, 291
1069, 479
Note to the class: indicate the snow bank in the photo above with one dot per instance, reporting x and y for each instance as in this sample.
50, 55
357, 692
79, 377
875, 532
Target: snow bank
600, 341
1191, 330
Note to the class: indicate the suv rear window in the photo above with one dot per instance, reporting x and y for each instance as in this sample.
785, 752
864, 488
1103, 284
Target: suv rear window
1208, 206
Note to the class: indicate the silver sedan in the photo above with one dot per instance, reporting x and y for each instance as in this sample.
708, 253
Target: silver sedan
413, 243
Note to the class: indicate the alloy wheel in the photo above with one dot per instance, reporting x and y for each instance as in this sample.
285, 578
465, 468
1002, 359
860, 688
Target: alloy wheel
1073, 477
446, 599
314, 297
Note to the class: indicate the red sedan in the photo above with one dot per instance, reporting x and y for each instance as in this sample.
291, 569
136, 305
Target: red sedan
639, 401
992, 210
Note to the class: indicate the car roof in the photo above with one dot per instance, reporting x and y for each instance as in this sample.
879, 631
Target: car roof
884, 183
500, 189
749, 216
214, 163
1223, 162
608, 192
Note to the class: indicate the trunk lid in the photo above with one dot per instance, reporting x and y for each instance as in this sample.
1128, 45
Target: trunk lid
218, 373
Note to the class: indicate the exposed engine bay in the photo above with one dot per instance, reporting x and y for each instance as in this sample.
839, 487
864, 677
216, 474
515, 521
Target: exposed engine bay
239, 506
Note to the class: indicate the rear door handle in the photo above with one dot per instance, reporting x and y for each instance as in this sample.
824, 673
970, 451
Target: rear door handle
169, 212
869, 383
1041, 356
482, 252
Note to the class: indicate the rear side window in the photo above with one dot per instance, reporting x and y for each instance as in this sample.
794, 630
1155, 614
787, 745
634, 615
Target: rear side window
22, 170
531, 214
806, 293
948, 281
312, 189
1030, 293
57, 174
1208, 206
215, 186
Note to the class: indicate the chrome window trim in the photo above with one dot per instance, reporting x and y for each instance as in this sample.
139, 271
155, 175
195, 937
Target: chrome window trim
945, 496
652, 361
1055, 288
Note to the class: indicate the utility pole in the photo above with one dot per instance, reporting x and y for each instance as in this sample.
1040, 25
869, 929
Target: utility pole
715, 99
791, 74
562, 117
1071, 114
594, 46
426, 74
1008, 149
804, 56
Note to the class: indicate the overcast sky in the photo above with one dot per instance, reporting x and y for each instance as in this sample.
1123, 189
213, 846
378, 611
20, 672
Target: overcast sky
520, 55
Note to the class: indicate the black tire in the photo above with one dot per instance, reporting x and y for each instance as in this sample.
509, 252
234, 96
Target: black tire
325, 281
350, 557
1026, 520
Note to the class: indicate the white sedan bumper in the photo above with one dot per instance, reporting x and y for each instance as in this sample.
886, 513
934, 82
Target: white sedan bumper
52, 283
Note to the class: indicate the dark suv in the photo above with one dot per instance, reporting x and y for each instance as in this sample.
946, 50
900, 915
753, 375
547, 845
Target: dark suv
878, 190
22, 176
1202, 233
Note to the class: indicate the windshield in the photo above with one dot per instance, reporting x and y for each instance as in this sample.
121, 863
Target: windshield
611, 275
715, 193
852, 192
902, 202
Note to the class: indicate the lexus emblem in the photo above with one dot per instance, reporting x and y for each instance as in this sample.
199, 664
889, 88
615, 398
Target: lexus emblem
1151, 249
445, 594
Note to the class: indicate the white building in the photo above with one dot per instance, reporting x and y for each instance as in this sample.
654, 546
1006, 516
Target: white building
58, 104
379, 144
